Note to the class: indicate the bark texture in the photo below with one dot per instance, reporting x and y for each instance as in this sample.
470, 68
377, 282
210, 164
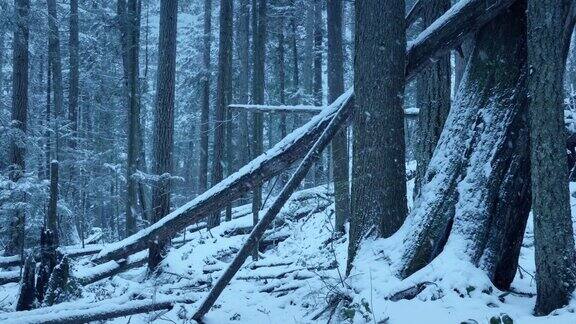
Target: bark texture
378, 172
19, 120
553, 233
163, 124
476, 193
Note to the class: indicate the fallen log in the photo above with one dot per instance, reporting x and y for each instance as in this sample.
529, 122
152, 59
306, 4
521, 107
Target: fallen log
90, 275
446, 33
9, 276
338, 121
415, 12
70, 313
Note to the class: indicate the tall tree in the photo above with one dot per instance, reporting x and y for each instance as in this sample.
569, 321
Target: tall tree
205, 110
549, 28
163, 123
259, 18
282, 70
335, 89
317, 83
223, 94
131, 36
243, 36
433, 98
19, 119
55, 59
378, 174
73, 45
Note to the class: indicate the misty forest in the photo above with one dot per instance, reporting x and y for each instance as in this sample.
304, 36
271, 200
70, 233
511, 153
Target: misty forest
287, 161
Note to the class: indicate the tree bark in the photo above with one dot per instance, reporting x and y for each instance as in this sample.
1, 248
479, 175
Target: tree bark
335, 88
433, 97
205, 110
163, 124
223, 96
548, 44
56, 63
476, 190
317, 84
19, 121
378, 173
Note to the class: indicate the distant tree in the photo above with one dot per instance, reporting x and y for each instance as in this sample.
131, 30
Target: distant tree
205, 110
335, 89
223, 94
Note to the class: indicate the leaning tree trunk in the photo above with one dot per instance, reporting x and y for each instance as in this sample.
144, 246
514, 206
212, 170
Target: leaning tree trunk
477, 184
550, 24
433, 97
163, 124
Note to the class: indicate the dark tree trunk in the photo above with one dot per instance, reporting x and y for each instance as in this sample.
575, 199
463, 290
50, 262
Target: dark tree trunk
19, 119
163, 124
56, 65
282, 72
27, 293
244, 80
73, 45
317, 84
223, 95
132, 31
259, 17
205, 110
433, 98
295, 65
378, 174
548, 42
335, 88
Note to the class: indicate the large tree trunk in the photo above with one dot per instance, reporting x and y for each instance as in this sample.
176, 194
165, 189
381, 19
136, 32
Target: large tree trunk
317, 92
476, 189
433, 98
223, 95
205, 110
19, 119
335, 88
163, 125
550, 25
295, 65
378, 173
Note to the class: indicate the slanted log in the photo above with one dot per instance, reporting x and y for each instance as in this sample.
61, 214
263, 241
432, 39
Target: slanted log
476, 189
415, 12
450, 29
338, 121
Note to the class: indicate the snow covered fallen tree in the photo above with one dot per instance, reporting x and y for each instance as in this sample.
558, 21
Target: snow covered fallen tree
445, 34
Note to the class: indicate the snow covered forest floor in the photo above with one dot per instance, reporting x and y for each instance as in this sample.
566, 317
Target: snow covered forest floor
300, 271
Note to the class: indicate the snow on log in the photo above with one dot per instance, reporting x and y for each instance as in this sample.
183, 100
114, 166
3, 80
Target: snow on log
292, 148
279, 109
414, 13
341, 117
68, 313
444, 34
9, 276
9, 261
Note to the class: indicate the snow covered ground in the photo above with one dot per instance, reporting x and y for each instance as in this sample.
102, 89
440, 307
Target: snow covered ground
300, 273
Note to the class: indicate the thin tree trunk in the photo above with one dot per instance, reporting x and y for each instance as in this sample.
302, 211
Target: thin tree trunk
335, 88
223, 95
548, 43
259, 17
244, 80
205, 110
295, 65
378, 173
433, 96
163, 124
19, 119
317, 84
56, 64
